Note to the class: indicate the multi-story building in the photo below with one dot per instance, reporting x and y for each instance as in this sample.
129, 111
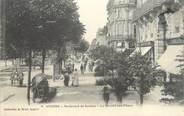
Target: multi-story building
2, 28
159, 31
120, 29
101, 38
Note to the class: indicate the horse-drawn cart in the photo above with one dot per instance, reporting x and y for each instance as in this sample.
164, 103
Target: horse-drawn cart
41, 90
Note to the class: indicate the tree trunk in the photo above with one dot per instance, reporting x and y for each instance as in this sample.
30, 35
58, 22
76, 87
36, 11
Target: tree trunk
58, 59
141, 97
43, 60
141, 89
61, 54
120, 97
29, 75
60, 65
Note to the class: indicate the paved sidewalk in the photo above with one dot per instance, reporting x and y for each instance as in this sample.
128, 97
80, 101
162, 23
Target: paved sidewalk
2, 65
86, 93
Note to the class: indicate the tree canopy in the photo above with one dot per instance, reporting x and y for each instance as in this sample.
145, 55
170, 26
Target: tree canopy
41, 24
82, 45
145, 74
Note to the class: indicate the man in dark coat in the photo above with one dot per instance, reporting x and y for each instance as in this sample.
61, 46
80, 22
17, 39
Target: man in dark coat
66, 79
82, 69
106, 95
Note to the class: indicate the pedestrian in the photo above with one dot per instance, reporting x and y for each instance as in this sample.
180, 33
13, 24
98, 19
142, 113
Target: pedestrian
21, 78
91, 66
85, 64
73, 78
82, 69
106, 94
73, 67
66, 79
12, 77
75, 81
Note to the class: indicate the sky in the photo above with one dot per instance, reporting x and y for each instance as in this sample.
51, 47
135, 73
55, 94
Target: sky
93, 15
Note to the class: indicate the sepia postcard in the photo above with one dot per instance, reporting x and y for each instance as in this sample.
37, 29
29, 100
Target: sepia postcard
92, 57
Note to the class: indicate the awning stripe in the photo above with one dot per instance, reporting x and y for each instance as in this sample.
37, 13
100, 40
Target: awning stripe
143, 50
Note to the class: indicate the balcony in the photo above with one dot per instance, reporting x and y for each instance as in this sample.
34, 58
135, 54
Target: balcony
120, 3
155, 6
120, 38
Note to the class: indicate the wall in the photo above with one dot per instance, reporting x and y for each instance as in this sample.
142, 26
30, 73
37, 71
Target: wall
149, 31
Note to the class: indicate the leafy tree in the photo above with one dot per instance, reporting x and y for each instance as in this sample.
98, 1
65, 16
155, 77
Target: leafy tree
181, 2
39, 25
105, 55
20, 30
144, 72
60, 23
121, 77
115, 65
126, 71
101, 52
83, 46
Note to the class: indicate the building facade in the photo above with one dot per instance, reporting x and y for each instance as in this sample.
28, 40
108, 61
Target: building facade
120, 28
160, 31
101, 38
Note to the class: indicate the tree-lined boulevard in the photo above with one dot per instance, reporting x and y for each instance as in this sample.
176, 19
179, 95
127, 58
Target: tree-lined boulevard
42, 25
48, 60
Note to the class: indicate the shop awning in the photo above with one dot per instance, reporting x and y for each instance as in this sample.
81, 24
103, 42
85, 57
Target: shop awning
119, 44
120, 49
143, 50
169, 61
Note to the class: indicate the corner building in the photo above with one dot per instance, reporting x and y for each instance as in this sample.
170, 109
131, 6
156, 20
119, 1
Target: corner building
120, 28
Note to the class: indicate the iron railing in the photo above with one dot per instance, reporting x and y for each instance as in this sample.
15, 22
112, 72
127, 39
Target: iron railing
114, 3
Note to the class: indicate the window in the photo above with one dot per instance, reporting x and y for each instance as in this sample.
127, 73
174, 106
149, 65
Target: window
151, 35
131, 45
177, 29
135, 31
146, 36
123, 44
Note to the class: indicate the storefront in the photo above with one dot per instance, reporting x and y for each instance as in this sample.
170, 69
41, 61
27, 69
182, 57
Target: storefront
146, 49
172, 61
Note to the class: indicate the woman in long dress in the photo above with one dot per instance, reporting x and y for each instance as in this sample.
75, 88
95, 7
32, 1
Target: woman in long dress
75, 81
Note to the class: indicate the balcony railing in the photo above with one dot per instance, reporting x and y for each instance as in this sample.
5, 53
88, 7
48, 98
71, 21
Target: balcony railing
120, 38
148, 6
119, 3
